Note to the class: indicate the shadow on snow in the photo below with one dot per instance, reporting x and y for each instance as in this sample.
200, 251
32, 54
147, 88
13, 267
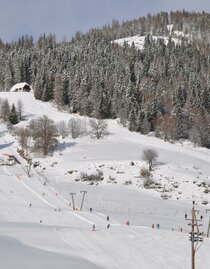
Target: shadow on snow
63, 146
3, 146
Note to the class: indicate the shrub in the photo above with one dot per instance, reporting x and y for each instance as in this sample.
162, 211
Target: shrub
92, 177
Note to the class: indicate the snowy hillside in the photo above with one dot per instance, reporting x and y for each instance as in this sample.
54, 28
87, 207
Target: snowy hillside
37, 219
139, 40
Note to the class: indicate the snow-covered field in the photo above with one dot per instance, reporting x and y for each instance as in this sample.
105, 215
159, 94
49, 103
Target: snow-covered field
50, 234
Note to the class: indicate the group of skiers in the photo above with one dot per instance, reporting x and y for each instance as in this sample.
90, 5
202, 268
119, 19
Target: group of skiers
94, 226
157, 226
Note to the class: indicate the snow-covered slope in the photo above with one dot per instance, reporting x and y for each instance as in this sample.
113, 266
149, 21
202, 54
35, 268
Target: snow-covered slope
57, 236
139, 40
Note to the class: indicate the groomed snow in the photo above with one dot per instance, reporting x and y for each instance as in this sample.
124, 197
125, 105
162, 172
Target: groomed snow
50, 234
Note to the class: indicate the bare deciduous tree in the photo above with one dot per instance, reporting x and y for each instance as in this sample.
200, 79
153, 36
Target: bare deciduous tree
98, 128
62, 129
77, 127
74, 128
44, 133
20, 108
150, 156
23, 136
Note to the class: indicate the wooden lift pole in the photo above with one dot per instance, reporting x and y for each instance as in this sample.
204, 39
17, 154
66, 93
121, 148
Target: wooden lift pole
195, 235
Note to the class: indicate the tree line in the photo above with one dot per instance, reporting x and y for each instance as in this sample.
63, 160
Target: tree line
42, 134
164, 88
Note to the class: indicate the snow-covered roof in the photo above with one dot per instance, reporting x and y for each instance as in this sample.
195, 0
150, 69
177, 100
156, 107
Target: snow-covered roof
19, 86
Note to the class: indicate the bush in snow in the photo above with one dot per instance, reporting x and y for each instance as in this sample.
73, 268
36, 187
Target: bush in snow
206, 190
146, 176
144, 173
92, 177
127, 182
112, 178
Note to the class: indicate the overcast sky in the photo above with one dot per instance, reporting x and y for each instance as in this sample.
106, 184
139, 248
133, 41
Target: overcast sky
65, 17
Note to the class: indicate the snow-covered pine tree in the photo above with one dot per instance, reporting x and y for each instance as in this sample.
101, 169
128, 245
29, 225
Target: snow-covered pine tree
13, 115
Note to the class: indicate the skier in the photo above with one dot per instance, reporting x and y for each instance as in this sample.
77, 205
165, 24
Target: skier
94, 227
108, 226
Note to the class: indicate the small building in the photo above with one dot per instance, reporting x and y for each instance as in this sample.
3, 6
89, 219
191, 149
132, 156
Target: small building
21, 87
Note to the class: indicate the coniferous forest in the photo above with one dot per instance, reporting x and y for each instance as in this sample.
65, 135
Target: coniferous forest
164, 88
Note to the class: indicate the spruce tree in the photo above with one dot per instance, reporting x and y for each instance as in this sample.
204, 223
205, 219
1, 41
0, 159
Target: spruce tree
13, 115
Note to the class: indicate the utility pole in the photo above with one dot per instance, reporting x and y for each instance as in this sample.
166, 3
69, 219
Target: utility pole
72, 196
83, 197
195, 237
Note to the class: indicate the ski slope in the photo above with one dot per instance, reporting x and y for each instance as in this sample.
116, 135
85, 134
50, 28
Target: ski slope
50, 234
138, 40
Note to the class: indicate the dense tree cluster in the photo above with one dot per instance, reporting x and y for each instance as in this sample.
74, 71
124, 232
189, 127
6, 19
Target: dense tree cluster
8, 114
163, 88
